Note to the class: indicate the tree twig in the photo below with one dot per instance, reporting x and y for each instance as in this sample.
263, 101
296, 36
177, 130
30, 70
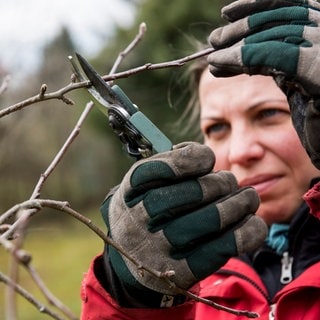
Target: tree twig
64, 207
53, 300
62, 151
129, 48
60, 94
28, 296
19, 255
162, 65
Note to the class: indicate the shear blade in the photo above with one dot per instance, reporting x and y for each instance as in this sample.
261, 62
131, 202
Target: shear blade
101, 88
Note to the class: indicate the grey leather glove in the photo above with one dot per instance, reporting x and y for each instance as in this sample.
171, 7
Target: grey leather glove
278, 38
172, 213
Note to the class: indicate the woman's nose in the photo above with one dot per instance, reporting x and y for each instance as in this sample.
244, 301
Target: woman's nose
245, 147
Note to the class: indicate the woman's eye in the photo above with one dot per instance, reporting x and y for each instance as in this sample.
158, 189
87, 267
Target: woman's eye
270, 113
216, 130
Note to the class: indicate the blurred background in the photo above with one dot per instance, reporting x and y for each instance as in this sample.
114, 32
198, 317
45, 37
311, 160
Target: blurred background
36, 37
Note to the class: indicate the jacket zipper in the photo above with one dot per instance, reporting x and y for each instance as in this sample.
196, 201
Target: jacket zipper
286, 268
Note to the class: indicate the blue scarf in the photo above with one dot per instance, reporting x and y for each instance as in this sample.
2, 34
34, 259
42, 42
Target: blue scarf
278, 238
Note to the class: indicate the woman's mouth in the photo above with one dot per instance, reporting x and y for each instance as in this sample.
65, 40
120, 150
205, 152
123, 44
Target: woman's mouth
261, 182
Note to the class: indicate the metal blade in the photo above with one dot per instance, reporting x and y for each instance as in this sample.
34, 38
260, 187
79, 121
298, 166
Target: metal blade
103, 105
101, 90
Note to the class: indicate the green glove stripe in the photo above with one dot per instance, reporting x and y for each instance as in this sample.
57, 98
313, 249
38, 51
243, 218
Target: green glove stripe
280, 33
282, 15
151, 171
215, 254
161, 202
196, 226
256, 55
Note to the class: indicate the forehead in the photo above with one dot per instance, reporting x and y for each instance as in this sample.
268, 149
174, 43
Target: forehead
237, 89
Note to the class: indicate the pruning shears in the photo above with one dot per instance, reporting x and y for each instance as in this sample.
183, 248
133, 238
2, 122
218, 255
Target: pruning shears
137, 132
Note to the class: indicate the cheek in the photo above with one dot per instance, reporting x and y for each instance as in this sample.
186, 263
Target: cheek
288, 147
290, 155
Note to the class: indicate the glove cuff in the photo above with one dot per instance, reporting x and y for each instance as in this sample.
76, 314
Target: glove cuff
305, 113
128, 295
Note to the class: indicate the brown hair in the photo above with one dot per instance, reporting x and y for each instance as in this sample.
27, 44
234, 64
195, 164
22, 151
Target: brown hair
189, 120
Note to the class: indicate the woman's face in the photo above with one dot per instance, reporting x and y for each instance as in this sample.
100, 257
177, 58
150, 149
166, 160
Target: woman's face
245, 120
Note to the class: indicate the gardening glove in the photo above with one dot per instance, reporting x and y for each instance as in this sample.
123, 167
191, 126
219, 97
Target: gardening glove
278, 38
172, 213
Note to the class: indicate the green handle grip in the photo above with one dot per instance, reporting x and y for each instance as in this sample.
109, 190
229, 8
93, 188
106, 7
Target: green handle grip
144, 125
160, 143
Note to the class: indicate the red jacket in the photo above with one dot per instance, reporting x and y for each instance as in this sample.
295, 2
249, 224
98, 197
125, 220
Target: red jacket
231, 287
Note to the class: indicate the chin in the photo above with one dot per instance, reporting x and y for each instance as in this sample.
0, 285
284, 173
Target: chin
271, 217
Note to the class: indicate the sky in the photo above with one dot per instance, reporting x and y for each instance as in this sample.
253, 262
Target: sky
26, 26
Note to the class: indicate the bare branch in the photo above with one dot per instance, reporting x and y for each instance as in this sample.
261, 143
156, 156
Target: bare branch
47, 293
24, 293
17, 254
29, 207
60, 94
64, 207
248, 314
63, 150
163, 65
129, 48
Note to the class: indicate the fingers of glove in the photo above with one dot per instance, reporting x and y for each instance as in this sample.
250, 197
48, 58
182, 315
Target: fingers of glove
262, 58
240, 9
227, 62
207, 223
259, 54
233, 33
295, 34
189, 160
166, 203
214, 254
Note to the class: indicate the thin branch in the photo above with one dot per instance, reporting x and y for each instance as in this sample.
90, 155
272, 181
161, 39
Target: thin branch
62, 151
22, 222
8, 214
25, 294
248, 314
163, 65
130, 47
60, 94
47, 293
29, 208
64, 207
